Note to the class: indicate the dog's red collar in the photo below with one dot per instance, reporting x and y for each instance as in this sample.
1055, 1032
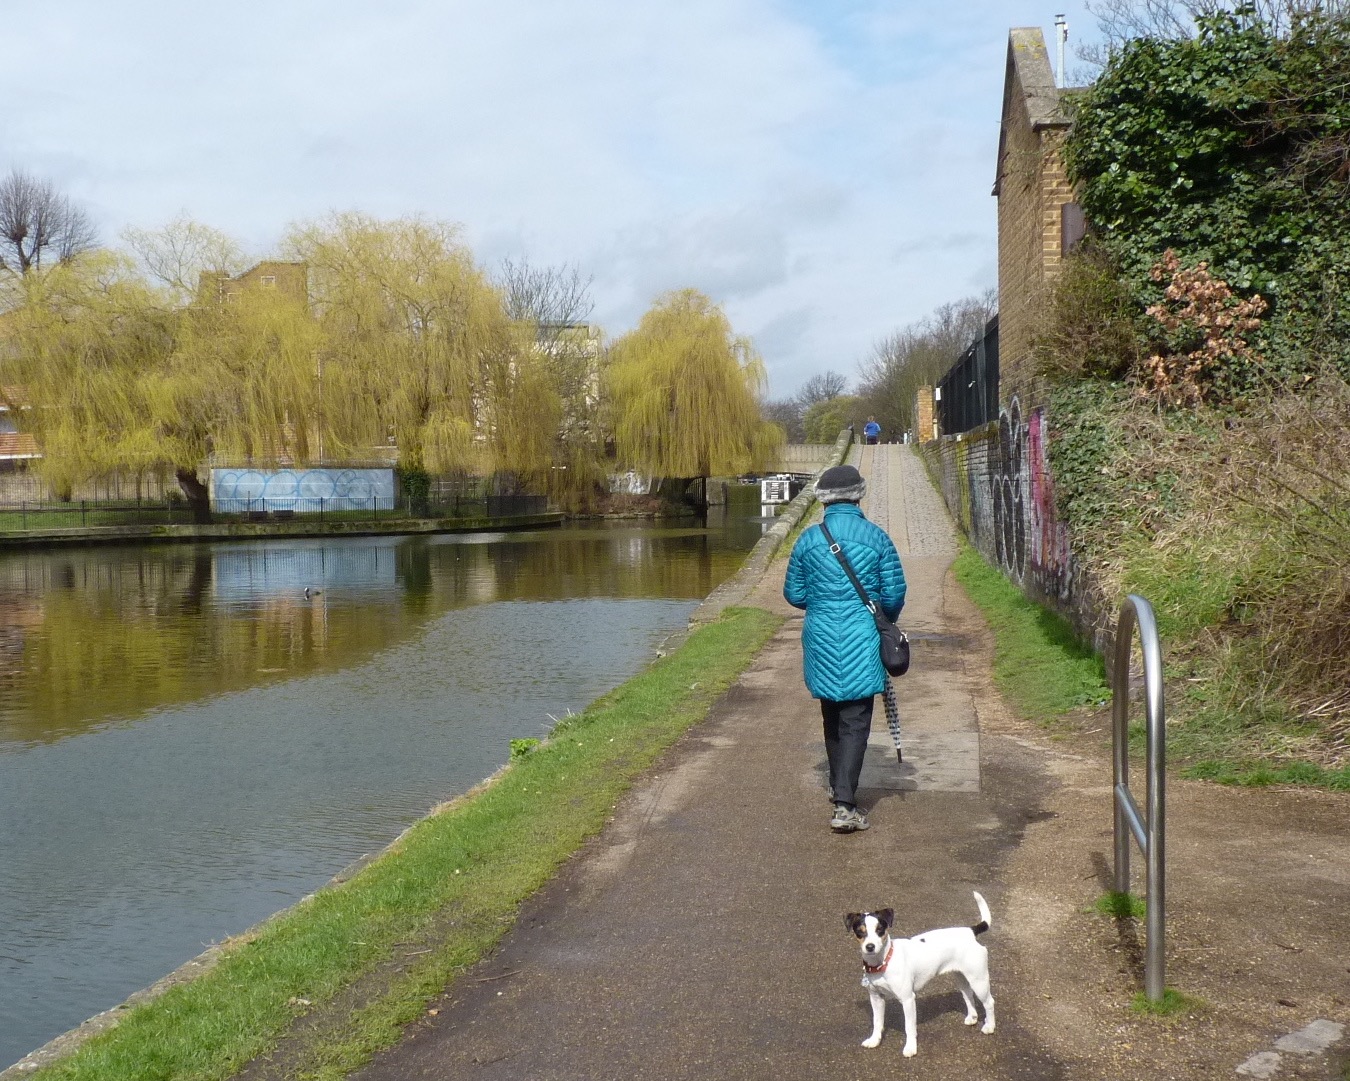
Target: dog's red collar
874, 969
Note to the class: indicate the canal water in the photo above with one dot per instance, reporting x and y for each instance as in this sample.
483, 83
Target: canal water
190, 741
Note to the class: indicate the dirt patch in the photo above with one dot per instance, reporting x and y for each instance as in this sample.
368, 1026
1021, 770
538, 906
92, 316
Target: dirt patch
1257, 891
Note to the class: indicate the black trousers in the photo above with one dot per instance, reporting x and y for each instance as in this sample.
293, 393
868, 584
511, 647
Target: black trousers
847, 726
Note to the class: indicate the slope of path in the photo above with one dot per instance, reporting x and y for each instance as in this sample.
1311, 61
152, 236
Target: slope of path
939, 730
701, 934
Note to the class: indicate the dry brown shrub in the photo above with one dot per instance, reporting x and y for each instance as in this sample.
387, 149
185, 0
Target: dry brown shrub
1205, 325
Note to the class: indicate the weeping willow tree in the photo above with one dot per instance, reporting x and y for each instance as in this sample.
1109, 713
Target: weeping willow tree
83, 335
684, 393
418, 348
116, 373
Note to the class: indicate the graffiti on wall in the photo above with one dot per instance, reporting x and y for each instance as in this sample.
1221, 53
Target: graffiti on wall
238, 490
997, 484
1007, 479
1049, 536
1028, 536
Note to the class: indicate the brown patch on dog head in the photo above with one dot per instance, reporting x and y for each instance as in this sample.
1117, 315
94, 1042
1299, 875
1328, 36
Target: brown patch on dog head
854, 922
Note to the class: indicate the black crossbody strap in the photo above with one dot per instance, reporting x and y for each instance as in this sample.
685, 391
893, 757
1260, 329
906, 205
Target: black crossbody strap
848, 569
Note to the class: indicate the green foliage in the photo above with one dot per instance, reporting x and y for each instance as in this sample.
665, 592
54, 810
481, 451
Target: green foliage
1120, 906
825, 420
1094, 328
1224, 148
415, 483
1236, 527
1262, 774
521, 747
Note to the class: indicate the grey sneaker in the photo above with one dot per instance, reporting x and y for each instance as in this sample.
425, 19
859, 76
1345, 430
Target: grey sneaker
848, 819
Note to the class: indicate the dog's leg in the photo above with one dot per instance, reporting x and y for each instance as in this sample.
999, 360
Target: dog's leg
911, 1026
878, 1018
963, 985
979, 983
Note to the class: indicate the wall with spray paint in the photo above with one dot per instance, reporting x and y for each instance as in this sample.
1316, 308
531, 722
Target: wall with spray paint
997, 484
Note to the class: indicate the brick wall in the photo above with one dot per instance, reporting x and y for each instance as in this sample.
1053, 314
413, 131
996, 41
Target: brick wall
996, 480
1032, 187
925, 421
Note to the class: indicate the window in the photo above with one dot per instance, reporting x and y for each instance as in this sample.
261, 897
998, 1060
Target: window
269, 281
1072, 227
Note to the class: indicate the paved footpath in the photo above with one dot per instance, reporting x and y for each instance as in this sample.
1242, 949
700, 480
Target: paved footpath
701, 935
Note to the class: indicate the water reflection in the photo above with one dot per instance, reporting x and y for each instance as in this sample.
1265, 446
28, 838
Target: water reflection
188, 742
91, 635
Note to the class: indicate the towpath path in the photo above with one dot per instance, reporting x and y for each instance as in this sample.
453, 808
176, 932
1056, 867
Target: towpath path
701, 935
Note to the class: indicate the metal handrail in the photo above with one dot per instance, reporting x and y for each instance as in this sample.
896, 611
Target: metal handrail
1148, 830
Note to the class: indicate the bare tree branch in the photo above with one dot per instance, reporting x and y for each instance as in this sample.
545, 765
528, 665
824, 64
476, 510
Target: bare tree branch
36, 219
554, 298
1120, 21
180, 252
821, 388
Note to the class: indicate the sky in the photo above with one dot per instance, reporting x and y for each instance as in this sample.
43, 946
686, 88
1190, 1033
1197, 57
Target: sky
820, 168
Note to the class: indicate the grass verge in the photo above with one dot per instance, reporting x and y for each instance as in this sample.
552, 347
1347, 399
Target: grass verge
1040, 666
466, 868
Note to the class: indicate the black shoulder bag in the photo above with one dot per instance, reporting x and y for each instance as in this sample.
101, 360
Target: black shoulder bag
894, 641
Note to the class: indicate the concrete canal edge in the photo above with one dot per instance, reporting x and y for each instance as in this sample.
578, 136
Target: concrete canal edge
730, 593
150, 534
736, 588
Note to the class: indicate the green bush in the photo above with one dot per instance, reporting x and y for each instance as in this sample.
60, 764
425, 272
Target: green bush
1230, 148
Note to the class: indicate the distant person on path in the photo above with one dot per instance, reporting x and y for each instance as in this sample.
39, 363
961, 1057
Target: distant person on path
871, 430
841, 658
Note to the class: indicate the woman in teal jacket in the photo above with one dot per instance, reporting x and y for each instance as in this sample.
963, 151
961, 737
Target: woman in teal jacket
841, 658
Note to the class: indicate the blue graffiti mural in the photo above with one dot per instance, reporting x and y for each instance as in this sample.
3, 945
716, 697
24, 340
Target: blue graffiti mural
240, 490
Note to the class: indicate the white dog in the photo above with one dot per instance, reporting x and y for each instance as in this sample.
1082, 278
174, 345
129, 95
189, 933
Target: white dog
899, 967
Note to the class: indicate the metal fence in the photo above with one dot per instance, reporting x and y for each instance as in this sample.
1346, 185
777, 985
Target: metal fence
967, 396
25, 514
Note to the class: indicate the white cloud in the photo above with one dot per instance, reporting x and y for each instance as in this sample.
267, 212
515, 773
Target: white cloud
821, 169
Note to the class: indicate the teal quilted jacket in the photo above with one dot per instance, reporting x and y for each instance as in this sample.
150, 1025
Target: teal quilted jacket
840, 651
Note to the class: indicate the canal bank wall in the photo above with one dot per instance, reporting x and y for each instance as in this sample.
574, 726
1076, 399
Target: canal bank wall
730, 593
736, 588
220, 531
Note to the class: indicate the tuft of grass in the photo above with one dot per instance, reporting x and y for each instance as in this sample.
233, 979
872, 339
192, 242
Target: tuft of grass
465, 869
1173, 1002
1120, 906
1040, 665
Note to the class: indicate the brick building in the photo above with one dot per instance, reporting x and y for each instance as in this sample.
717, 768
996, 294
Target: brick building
290, 279
1038, 222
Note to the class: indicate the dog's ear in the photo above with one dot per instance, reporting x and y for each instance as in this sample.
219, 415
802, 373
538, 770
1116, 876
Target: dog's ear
851, 921
887, 918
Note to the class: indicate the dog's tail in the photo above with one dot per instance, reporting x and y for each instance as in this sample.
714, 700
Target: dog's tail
986, 920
